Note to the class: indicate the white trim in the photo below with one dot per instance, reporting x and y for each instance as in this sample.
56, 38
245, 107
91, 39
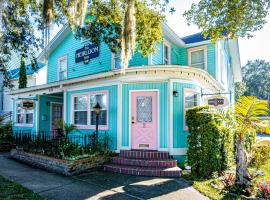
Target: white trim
92, 86
198, 43
195, 49
37, 112
166, 43
65, 106
170, 115
119, 117
158, 116
179, 152
52, 102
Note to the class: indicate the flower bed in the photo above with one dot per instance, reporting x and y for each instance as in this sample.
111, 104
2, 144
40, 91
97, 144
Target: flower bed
65, 167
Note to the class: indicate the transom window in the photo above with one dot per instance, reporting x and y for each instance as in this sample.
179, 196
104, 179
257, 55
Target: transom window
166, 53
62, 68
24, 115
83, 109
191, 99
197, 57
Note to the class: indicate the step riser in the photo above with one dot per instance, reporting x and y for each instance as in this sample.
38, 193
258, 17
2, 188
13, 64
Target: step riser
144, 163
137, 172
144, 155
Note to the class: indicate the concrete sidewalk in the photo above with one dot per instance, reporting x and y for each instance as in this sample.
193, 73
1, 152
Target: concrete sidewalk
96, 185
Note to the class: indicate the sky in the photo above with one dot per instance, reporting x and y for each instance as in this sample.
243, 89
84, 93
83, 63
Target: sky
257, 47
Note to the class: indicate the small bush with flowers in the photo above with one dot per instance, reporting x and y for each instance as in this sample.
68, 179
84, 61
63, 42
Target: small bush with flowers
263, 191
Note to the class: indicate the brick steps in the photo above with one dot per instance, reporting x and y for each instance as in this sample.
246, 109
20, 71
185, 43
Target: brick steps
143, 171
144, 163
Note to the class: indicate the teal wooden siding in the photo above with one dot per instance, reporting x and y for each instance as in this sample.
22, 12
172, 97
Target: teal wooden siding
32, 129
183, 56
179, 134
45, 110
138, 60
68, 47
163, 110
113, 104
157, 56
211, 60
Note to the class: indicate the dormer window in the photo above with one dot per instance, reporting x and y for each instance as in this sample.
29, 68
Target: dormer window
62, 68
166, 53
197, 57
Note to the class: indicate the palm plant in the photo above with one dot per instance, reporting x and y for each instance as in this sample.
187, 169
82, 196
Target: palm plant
247, 110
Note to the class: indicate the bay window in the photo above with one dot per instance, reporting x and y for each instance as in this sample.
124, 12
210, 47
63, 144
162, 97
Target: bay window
83, 113
191, 99
197, 57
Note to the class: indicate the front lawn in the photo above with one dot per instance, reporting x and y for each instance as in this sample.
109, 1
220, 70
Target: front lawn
206, 186
12, 191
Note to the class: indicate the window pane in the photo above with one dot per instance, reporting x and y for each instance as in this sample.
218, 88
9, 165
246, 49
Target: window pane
197, 59
63, 75
63, 65
191, 100
117, 61
166, 55
102, 120
80, 117
99, 98
80, 103
29, 118
144, 109
20, 118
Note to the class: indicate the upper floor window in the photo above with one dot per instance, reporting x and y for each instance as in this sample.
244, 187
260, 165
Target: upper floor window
197, 57
24, 115
166, 53
191, 99
116, 61
62, 68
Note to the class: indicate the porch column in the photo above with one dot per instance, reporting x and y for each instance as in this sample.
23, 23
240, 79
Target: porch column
65, 106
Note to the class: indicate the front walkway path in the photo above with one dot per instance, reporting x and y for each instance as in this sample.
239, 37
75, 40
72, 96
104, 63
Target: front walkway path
95, 185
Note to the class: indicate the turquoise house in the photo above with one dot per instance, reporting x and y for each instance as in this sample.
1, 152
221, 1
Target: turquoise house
142, 106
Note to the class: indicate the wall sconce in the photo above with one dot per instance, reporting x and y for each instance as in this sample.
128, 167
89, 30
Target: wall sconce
175, 93
48, 103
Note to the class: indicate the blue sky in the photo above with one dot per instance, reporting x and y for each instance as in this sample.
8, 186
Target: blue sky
257, 47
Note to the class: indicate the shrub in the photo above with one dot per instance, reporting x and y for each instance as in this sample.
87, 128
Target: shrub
263, 191
6, 133
260, 155
209, 142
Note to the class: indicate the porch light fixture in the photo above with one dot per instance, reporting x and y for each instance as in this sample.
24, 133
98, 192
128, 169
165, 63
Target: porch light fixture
48, 103
175, 93
97, 109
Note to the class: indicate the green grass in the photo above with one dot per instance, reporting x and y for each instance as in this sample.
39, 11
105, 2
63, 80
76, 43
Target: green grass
206, 188
12, 191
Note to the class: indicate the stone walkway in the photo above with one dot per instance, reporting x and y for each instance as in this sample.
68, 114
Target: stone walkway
95, 185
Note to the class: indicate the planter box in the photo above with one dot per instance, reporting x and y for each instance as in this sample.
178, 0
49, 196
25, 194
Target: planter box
65, 167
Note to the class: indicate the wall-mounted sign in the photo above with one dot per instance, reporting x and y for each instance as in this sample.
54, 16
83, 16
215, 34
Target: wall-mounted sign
217, 101
28, 105
88, 52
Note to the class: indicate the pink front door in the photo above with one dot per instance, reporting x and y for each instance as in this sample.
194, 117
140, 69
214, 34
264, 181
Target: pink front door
144, 120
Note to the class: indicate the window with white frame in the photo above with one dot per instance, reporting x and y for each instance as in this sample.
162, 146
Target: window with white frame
191, 99
166, 53
80, 110
102, 100
117, 60
24, 115
197, 57
62, 68
83, 109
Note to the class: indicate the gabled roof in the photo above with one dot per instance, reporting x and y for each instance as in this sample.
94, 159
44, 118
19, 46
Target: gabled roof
14, 73
194, 38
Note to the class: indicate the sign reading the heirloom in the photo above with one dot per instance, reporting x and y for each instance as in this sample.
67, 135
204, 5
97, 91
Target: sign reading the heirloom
28, 104
88, 52
217, 101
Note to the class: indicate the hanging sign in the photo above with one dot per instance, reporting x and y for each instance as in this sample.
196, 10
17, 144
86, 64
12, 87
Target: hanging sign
28, 105
88, 52
217, 101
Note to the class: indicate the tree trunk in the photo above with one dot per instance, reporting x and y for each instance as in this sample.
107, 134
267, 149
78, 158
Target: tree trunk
129, 33
242, 175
